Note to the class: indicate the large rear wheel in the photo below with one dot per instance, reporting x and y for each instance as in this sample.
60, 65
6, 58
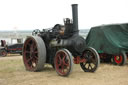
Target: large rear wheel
92, 60
34, 53
63, 62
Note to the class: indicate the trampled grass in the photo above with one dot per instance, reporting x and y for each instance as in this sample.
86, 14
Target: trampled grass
12, 72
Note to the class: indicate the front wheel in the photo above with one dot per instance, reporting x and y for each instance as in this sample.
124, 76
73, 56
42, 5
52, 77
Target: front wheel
63, 62
92, 60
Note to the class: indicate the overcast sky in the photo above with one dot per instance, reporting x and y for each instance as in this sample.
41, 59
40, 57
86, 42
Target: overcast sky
39, 14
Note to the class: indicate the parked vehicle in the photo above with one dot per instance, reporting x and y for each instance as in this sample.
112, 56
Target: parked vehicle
110, 41
11, 49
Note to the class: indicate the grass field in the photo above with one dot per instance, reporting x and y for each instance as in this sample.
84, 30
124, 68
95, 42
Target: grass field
12, 72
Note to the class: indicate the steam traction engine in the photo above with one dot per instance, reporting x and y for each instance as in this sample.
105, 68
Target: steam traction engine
60, 46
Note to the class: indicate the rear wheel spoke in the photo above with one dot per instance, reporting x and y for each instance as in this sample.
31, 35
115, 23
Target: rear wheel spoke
27, 51
35, 51
29, 60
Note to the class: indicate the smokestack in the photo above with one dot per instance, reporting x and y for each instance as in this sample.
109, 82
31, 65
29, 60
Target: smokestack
75, 17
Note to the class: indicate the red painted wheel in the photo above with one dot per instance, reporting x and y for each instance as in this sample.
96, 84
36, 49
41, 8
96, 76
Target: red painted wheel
34, 53
120, 59
92, 60
63, 62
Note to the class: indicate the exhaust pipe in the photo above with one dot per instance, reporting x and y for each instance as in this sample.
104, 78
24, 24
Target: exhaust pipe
75, 17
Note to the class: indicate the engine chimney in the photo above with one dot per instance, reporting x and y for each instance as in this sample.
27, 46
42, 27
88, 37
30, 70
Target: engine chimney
75, 17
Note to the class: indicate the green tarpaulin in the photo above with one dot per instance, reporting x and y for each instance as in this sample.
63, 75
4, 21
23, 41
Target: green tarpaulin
111, 39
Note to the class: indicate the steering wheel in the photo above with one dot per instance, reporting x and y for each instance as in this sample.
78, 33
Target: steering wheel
36, 32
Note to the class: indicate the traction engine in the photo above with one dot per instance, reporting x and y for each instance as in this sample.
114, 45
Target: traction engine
60, 46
